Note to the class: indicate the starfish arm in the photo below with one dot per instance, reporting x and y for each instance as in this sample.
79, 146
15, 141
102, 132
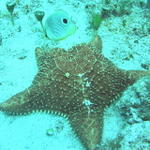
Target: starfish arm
35, 98
31, 99
137, 74
18, 104
108, 82
88, 127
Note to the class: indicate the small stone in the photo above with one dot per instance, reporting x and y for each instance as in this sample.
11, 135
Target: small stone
145, 66
22, 57
67, 74
59, 126
19, 29
0, 39
136, 41
50, 132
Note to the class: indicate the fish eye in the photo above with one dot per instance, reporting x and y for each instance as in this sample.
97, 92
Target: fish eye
65, 20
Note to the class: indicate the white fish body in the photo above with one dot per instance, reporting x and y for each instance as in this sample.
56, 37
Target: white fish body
59, 26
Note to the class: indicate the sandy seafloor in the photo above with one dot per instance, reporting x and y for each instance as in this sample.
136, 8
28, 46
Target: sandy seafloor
126, 42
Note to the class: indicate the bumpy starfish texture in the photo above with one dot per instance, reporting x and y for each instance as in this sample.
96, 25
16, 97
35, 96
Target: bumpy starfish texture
79, 83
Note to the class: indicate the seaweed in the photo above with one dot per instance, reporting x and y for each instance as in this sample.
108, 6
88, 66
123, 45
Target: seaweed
10, 5
96, 21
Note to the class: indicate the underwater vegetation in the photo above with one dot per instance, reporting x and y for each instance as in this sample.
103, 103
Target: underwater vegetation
96, 20
39, 16
10, 7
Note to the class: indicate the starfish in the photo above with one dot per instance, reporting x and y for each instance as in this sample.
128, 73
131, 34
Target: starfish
79, 84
